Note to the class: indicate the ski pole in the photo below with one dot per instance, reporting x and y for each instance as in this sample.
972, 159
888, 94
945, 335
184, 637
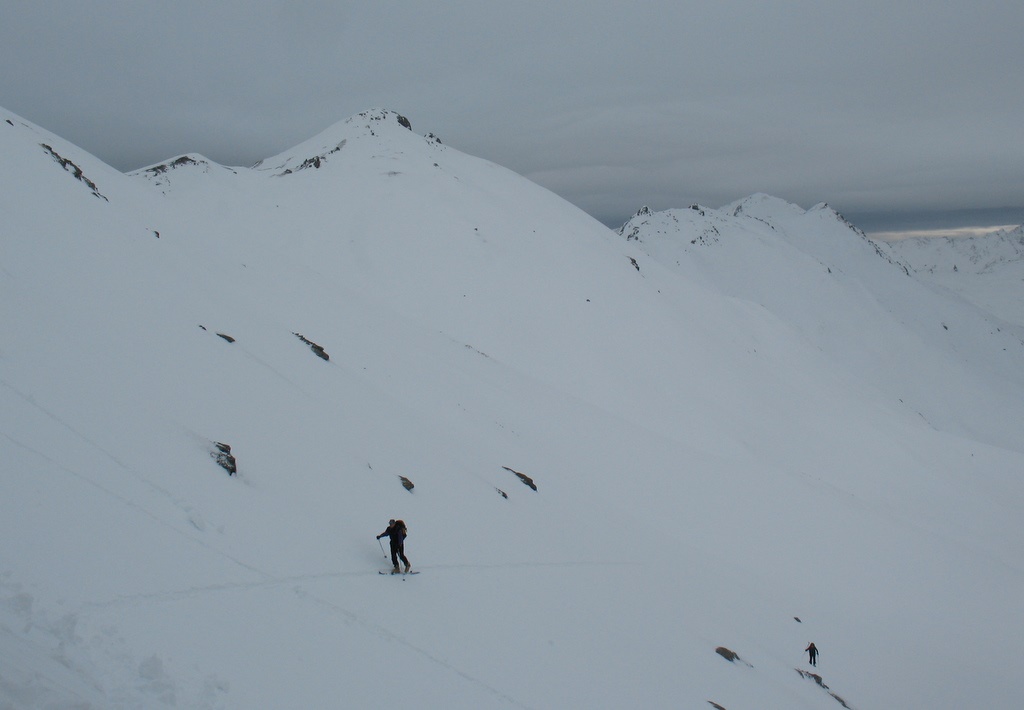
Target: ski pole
382, 548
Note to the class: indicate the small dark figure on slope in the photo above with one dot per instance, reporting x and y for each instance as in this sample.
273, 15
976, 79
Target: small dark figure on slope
812, 653
397, 532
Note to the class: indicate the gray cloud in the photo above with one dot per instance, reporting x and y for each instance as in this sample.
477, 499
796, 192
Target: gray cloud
876, 107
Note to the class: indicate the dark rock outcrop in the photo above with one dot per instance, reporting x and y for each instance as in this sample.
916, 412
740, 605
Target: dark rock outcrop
523, 477
74, 170
317, 349
224, 458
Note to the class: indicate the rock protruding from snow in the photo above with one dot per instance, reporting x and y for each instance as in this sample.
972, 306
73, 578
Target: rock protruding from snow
817, 679
70, 166
318, 350
527, 481
225, 459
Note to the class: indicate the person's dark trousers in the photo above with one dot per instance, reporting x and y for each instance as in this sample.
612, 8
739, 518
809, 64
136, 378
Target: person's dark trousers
398, 551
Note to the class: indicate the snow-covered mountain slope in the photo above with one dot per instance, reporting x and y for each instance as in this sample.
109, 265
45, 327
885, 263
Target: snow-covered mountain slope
379, 326
987, 271
853, 300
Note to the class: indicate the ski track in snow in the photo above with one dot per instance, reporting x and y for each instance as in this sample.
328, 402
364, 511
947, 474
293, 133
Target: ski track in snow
187, 510
270, 581
347, 615
389, 635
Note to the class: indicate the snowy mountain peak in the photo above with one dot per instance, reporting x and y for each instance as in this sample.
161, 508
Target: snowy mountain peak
380, 116
387, 129
188, 166
764, 207
1011, 241
187, 161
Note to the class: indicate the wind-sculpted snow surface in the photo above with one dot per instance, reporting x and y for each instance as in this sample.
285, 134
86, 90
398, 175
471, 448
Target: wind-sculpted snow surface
719, 427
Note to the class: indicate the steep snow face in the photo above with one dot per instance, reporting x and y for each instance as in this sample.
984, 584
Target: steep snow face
627, 466
987, 271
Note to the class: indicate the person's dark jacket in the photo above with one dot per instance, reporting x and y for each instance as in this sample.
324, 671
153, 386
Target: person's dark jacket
395, 532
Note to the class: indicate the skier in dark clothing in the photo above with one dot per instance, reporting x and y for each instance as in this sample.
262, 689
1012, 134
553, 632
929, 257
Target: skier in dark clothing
397, 532
812, 653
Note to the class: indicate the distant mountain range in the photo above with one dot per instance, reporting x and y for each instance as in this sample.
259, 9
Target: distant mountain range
987, 270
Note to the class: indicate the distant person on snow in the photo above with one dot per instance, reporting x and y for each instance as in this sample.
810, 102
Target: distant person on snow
397, 532
812, 653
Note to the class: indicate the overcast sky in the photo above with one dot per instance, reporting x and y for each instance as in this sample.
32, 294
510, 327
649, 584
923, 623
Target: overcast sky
900, 114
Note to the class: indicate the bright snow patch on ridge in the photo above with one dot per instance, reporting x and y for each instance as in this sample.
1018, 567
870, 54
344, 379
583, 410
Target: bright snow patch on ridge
732, 418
